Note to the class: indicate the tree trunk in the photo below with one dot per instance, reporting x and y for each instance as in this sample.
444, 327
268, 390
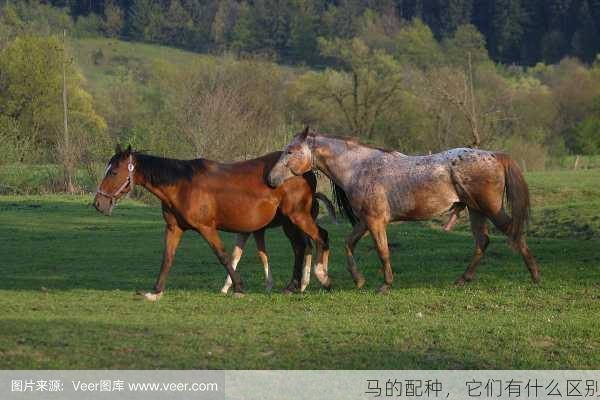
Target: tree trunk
67, 158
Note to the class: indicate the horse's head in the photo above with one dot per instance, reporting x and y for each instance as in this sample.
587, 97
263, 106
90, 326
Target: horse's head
118, 180
297, 159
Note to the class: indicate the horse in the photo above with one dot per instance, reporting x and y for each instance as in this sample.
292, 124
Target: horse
375, 187
206, 196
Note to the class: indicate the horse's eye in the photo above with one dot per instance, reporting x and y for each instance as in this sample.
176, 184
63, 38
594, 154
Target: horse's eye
289, 152
113, 173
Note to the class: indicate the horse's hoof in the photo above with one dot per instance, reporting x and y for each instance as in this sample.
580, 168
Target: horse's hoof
360, 281
460, 281
224, 290
269, 289
239, 295
536, 279
153, 296
327, 285
385, 289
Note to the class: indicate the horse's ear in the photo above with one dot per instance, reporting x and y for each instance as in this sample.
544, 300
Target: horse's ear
118, 149
304, 133
128, 150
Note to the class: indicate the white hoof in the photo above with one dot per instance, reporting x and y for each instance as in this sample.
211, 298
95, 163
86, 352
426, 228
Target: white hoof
225, 289
303, 286
153, 296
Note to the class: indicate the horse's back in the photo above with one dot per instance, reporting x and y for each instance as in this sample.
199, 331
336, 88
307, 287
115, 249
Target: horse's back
237, 198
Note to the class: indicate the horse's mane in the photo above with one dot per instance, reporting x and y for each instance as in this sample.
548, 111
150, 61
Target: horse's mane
353, 141
161, 171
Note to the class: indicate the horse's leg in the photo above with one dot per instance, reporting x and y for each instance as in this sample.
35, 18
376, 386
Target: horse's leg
325, 255
357, 233
307, 257
308, 226
502, 222
302, 253
259, 237
172, 238
378, 231
236, 254
482, 240
211, 235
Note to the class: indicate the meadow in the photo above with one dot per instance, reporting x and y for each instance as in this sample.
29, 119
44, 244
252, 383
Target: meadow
69, 277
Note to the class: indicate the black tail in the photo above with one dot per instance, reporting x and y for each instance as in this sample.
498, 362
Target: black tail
328, 204
343, 204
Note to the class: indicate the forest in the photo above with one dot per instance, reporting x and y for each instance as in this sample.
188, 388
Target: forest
233, 79
516, 31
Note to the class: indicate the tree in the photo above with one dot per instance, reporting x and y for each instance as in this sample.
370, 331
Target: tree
466, 40
244, 35
223, 23
366, 87
31, 83
453, 14
303, 33
177, 25
114, 18
508, 25
145, 20
416, 45
584, 43
454, 88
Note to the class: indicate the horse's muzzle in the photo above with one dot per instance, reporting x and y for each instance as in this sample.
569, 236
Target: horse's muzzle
105, 206
273, 181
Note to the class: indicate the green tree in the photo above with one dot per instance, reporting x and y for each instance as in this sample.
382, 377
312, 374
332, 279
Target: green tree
368, 86
31, 83
114, 18
245, 36
416, 45
508, 24
466, 42
223, 23
177, 25
584, 43
587, 136
303, 33
145, 20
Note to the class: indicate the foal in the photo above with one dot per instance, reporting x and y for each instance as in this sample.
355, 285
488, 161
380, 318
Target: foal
379, 186
206, 196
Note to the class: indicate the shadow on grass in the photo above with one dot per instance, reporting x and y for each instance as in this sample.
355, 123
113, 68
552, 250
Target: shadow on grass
71, 344
67, 245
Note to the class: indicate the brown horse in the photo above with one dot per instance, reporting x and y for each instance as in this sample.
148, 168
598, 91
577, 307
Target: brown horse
376, 187
207, 196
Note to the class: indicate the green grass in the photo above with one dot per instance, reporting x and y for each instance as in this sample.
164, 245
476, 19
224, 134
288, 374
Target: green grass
128, 55
566, 204
70, 274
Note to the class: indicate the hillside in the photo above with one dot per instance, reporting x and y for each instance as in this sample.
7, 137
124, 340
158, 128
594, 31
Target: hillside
101, 59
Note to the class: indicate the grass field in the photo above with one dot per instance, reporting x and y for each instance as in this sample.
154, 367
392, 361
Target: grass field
69, 275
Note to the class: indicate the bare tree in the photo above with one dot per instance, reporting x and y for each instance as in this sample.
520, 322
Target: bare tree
369, 85
453, 88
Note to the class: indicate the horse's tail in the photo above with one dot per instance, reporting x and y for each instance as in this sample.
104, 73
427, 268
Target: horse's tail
328, 205
341, 200
516, 195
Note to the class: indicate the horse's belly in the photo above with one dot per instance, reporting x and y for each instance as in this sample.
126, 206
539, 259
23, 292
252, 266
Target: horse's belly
422, 204
247, 217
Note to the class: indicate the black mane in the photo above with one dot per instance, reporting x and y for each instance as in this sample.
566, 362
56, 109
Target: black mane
167, 171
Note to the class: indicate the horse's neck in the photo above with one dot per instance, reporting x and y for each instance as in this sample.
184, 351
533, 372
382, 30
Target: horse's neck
161, 192
338, 161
